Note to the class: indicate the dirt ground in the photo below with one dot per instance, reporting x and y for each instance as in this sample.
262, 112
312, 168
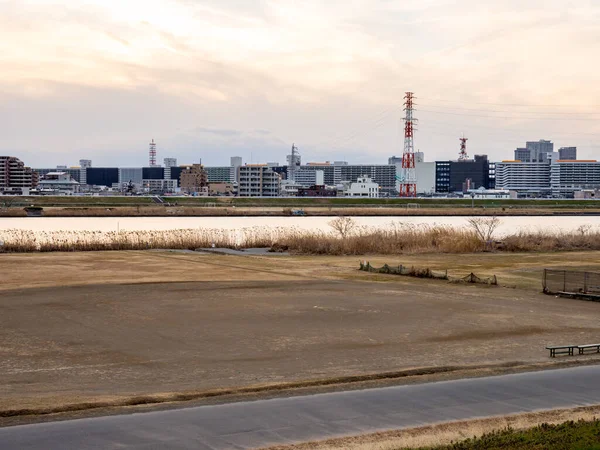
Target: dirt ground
89, 327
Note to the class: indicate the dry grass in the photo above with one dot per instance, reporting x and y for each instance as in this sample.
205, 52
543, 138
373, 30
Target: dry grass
396, 238
446, 433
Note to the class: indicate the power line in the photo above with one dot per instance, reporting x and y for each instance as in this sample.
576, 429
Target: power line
506, 104
513, 111
508, 117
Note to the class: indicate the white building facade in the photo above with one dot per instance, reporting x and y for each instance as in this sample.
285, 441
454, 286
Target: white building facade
363, 187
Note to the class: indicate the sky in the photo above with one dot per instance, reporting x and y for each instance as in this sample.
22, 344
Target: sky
210, 79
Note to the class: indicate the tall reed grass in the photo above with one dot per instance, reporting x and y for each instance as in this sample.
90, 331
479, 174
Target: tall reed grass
396, 238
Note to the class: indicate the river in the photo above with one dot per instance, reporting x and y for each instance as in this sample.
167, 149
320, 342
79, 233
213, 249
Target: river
509, 224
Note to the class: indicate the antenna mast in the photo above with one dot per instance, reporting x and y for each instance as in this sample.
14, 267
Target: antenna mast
408, 186
462, 156
152, 153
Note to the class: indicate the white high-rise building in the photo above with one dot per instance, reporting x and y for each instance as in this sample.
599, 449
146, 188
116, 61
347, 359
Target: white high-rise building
236, 161
83, 166
169, 162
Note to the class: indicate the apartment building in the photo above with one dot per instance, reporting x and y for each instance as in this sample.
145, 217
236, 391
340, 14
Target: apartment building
15, 176
527, 178
569, 176
258, 180
193, 179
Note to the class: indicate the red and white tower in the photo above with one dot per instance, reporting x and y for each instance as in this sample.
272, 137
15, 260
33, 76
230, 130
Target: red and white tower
152, 153
462, 156
408, 183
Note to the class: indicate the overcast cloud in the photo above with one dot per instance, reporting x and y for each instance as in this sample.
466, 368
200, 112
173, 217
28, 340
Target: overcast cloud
211, 79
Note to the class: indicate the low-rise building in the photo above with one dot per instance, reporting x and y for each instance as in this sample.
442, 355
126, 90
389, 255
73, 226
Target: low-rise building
58, 183
221, 189
363, 187
317, 191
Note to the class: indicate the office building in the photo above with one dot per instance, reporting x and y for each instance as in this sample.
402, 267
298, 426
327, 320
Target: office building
307, 178
425, 177
522, 154
235, 162
535, 151
15, 176
134, 175
102, 176
539, 150
460, 176
83, 165
219, 174
258, 180
169, 163
569, 153
340, 171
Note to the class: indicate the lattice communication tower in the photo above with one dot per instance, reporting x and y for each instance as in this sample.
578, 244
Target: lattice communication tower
462, 156
408, 185
152, 153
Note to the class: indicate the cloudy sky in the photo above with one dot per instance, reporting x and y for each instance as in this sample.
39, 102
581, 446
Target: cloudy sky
214, 78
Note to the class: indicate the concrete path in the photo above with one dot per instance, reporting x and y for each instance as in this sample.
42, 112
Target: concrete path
295, 419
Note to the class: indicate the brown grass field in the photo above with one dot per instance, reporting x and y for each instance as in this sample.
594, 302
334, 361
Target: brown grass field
107, 327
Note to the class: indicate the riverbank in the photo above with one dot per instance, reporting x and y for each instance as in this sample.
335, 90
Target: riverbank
76, 206
314, 211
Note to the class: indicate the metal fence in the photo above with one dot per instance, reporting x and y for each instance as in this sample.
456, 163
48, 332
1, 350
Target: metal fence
571, 281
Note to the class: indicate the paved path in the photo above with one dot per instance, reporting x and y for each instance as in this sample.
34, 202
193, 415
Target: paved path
260, 423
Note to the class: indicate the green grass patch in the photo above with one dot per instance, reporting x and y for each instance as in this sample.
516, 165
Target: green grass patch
569, 435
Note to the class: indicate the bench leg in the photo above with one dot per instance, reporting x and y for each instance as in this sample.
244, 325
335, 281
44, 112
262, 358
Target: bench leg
571, 351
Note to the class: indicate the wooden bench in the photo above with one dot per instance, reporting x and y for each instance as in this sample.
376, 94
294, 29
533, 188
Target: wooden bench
583, 348
561, 350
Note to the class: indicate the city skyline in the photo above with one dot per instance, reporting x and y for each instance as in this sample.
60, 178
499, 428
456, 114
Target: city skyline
210, 78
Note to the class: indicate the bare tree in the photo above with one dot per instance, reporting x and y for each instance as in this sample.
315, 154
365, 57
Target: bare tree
7, 201
584, 229
343, 225
484, 227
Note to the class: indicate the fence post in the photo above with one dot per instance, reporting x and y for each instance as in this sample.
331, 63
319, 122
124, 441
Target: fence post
544, 282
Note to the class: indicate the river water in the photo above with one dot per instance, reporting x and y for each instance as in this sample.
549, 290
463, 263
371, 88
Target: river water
509, 224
